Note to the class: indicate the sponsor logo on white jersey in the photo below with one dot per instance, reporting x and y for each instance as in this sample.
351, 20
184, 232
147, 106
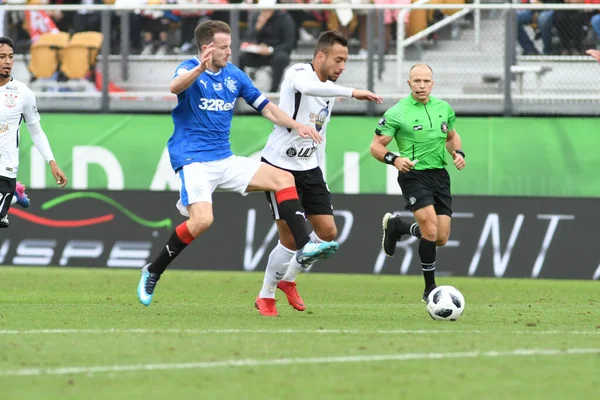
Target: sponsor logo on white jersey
10, 100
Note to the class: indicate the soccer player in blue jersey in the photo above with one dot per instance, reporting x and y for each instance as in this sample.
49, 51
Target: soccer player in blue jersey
207, 88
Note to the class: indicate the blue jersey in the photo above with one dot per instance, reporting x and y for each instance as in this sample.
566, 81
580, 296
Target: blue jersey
204, 111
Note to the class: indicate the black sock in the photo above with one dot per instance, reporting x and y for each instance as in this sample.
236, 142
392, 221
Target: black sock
5, 206
292, 213
406, 228
178, 241
427, 251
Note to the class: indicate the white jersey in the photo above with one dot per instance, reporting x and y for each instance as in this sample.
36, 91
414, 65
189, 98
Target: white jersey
17, 104
305, 98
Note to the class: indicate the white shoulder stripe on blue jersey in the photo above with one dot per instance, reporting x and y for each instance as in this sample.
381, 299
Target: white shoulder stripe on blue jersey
260, 102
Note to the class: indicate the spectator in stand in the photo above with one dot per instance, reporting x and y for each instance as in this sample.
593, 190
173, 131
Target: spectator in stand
155, 27
302, 16
544, 20
191, 18
347, 21
570, 25
391, 16
2, 33
595, 19
85, 20
135, 24
63, 20
271, 39
38, 22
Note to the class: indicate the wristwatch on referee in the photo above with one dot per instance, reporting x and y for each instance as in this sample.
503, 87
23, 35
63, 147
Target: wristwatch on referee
462, 153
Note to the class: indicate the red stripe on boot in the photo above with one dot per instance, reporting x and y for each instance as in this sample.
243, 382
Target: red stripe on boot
289, 193
183, 233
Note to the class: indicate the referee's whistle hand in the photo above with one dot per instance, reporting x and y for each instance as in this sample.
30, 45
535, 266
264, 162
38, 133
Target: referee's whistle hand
403, 164
459, 161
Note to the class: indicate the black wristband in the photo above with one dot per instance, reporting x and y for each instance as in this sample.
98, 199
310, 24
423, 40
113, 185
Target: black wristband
389, 158
462, 153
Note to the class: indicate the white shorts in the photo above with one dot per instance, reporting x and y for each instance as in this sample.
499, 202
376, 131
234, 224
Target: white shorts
200, 179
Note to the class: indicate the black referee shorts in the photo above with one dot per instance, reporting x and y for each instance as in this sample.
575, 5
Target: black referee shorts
312, 191
7, 191
427, 187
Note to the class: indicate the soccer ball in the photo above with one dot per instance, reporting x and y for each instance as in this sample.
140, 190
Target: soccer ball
445, 303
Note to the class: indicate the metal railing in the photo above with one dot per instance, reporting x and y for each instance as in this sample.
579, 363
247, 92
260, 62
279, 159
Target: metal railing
402, 41
506, 101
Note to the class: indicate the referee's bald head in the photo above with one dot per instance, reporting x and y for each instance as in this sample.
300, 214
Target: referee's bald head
419, 68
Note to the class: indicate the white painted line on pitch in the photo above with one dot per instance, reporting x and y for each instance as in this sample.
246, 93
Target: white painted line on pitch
277, 331
292, 361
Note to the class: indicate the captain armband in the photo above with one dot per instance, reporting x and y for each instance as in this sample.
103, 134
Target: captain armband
389, 158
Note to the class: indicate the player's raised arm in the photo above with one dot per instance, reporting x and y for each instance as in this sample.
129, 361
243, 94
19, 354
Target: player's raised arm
303, 84
324, 89
184, 77
39, 138
279, 117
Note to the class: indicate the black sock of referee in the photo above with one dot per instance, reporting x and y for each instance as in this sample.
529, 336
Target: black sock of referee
292, 213
406, 228
178, 241
427, 252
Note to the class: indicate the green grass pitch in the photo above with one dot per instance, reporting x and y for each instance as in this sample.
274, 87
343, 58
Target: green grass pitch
69, 333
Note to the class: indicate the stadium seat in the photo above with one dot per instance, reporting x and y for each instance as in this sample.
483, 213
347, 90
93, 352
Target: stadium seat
80, 54
421, 19
312, 24
450, 11
538, 70
46, 54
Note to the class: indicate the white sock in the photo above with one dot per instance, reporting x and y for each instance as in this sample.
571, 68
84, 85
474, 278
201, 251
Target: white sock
277, 266
295, 267
14, 200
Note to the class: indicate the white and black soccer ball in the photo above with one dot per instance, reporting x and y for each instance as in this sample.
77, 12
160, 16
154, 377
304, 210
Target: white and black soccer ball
445, 303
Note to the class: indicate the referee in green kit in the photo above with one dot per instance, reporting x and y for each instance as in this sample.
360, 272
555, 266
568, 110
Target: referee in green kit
423, 127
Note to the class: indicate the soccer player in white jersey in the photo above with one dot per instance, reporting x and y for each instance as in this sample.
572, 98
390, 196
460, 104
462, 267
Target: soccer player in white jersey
307, 94
207, 89
17, 104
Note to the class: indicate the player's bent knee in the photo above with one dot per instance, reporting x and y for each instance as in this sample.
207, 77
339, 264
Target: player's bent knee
197, 225
441, 241
429, 231
284, 179
432, 237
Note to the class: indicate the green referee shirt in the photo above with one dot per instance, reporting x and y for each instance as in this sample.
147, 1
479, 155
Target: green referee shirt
420, 130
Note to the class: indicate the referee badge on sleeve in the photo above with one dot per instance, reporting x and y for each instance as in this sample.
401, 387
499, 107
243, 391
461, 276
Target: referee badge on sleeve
381, 122
444, 127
